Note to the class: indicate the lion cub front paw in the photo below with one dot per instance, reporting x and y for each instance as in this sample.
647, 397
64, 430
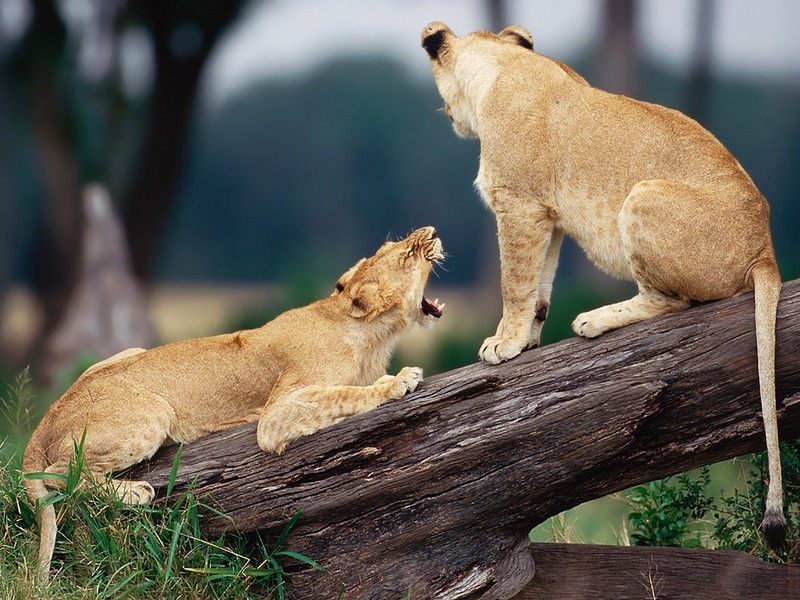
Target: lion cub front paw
404, 382
497, 349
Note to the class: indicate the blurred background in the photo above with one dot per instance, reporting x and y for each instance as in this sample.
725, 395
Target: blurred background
250, 152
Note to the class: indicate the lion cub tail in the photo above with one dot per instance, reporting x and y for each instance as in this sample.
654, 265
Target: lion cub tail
767, 284
34, 461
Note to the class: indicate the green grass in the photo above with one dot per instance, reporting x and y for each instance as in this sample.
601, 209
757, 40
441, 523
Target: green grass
106, 549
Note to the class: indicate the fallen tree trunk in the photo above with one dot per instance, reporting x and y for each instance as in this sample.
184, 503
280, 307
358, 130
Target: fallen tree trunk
436, 493
633, 573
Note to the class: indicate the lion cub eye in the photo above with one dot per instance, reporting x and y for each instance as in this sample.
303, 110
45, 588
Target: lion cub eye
339, 287
410, 252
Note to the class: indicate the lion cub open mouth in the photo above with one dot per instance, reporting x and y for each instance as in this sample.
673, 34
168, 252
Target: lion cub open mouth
430, 247
400, 270
432, 307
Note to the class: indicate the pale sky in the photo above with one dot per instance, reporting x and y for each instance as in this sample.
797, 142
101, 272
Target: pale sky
284, 38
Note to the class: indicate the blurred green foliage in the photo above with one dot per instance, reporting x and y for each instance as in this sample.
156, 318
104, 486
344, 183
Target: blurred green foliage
318, 170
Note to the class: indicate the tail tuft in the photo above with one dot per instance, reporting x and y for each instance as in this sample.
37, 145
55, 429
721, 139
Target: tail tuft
774, 528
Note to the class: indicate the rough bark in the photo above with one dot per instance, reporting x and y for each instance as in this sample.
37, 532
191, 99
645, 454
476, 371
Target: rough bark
436, 493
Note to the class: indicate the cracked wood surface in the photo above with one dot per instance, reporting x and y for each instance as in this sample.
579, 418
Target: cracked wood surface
633, 573
435, 493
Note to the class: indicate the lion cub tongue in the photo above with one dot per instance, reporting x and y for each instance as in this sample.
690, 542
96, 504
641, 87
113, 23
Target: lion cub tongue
432, 308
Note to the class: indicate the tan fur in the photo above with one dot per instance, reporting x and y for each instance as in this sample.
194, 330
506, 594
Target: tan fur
648, 194
307, 369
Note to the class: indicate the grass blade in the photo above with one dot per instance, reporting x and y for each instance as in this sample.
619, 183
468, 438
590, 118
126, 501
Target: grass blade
176, 533
173, 473
301, 557
287, 529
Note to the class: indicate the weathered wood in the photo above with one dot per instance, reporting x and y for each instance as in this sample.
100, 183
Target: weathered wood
566, 571
436, 493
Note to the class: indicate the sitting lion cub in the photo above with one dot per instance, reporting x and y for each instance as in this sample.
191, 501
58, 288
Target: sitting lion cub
307, 369
647, 193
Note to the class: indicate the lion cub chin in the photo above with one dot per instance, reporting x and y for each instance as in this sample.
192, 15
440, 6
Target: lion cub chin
308, 368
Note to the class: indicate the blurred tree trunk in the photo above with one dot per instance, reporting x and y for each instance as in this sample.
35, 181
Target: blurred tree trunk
617, 59
6, 214
497, 11
61, 108
37, 69
183, 40
698, 89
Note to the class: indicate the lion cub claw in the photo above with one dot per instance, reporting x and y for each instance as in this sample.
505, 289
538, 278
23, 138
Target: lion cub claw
405, 382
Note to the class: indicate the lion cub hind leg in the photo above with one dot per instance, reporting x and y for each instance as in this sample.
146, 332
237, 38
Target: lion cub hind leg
643, 306
294, 412
114, 442
682, 242
129, 492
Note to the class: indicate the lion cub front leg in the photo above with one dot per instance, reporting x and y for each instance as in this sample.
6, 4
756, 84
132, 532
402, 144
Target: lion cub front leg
546, 277
293, 412
525, 236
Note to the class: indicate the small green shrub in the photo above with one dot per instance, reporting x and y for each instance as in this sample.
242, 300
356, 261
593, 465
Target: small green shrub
667, 514
737, 517
680, 511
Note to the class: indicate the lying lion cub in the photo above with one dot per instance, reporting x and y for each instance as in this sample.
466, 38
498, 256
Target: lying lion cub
648, 194
308, 368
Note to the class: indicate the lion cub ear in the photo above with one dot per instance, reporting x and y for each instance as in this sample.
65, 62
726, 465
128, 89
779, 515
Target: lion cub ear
517, 35
342, 282
368, 301
433, 38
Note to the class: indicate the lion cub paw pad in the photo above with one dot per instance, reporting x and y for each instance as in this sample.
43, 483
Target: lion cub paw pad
406, 381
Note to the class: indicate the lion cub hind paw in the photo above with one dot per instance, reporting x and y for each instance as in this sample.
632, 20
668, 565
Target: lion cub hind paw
406, 381
136, 492
590, 325
495, 349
